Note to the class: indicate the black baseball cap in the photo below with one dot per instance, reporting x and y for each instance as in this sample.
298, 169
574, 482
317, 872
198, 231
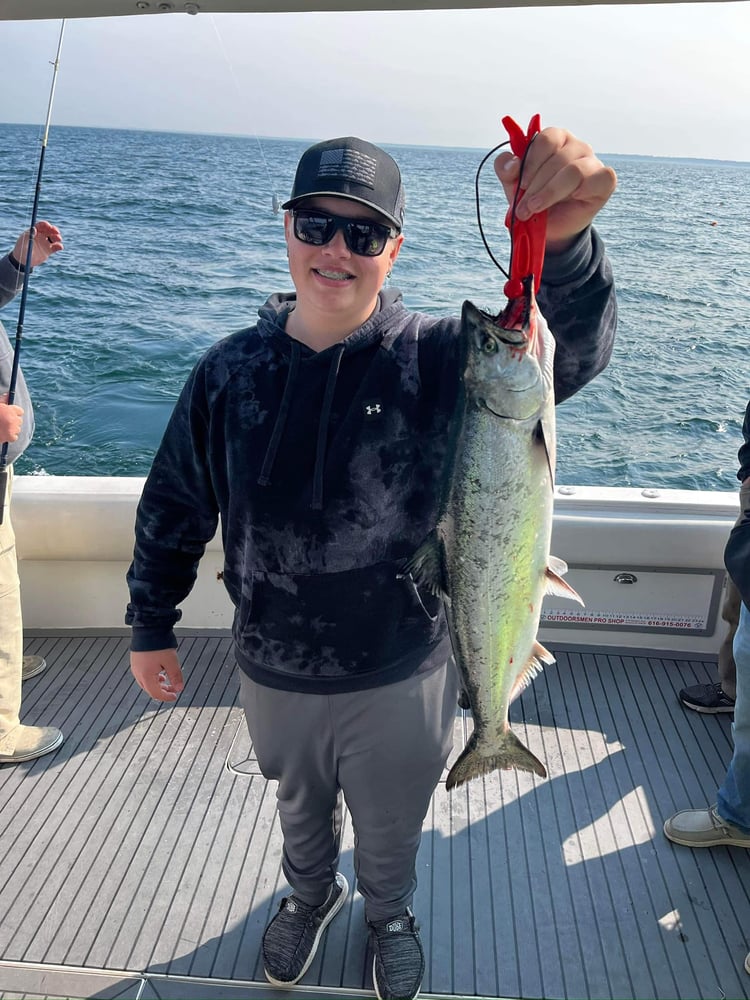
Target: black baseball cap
351, 168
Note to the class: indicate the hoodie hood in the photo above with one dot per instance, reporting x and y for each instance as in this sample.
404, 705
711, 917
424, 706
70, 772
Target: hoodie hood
274, 311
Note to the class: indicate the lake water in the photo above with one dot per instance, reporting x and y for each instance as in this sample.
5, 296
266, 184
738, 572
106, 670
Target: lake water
171, 243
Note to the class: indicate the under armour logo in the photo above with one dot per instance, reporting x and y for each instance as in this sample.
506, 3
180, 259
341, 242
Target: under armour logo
373, 409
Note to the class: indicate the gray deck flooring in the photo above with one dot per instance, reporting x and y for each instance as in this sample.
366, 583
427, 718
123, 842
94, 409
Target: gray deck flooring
142, 859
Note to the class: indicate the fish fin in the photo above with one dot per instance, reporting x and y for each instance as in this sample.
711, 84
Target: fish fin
546, 436
554, 584
510, 753
427, 567
539, 659
557, 565
543, 654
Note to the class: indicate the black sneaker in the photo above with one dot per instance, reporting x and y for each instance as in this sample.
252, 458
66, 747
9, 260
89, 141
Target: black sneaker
398, 963
706, 698
292, 938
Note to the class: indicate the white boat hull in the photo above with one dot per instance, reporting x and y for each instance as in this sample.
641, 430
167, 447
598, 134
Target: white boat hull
648, 564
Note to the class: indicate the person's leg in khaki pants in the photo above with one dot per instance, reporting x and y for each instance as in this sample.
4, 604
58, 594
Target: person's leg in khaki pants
17, 742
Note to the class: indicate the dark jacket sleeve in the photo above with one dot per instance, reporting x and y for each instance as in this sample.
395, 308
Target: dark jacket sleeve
743, 454
737, 551
177, 516
11, 280
577, 298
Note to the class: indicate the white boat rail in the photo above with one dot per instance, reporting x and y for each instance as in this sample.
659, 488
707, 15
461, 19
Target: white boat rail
647, 562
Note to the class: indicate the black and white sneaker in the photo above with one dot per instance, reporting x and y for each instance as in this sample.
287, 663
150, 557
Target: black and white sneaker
708, 698
398, 959
291, 939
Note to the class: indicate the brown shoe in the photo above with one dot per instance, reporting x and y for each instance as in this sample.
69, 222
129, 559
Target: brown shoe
32, 665
704, 828
32, 742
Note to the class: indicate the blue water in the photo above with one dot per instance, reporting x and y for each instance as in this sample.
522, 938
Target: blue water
171, 243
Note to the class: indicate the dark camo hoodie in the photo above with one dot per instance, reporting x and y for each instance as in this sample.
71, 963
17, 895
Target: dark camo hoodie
326, 470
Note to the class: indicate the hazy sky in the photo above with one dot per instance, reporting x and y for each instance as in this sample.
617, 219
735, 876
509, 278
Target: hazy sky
659, 79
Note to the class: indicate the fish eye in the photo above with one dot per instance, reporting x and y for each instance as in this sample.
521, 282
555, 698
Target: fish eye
490, 345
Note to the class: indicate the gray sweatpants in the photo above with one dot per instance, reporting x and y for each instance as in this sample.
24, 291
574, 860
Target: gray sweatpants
384, 749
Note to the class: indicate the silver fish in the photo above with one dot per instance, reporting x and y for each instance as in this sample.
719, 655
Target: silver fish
489, 557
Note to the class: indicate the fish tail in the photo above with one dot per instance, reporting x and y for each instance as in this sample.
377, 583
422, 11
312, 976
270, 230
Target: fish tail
509, 754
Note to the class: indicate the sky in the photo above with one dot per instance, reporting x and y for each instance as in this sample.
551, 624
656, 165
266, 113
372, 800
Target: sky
645, 79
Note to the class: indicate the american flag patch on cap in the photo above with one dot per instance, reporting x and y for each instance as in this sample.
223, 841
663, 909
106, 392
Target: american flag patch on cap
349, 165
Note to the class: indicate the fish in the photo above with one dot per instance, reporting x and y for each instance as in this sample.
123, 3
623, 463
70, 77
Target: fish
488, 556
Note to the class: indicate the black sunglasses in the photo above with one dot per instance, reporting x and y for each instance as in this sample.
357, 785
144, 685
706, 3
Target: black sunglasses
364, 237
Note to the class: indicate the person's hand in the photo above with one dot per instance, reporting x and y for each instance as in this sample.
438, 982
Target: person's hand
47, 240
158, 673
745, 498
560, 174
11, 420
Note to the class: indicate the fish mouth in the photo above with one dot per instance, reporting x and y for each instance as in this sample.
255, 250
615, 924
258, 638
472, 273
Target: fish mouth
517, 343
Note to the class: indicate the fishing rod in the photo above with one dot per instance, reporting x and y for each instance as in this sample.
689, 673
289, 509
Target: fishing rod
27, 272
275, 200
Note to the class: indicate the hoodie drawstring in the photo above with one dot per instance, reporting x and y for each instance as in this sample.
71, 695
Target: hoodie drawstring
264, 479
325, 416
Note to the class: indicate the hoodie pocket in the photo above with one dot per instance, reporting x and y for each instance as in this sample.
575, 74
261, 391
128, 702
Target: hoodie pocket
334, 624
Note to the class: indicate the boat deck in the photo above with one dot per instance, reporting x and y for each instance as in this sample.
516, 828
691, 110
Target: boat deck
142, 859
